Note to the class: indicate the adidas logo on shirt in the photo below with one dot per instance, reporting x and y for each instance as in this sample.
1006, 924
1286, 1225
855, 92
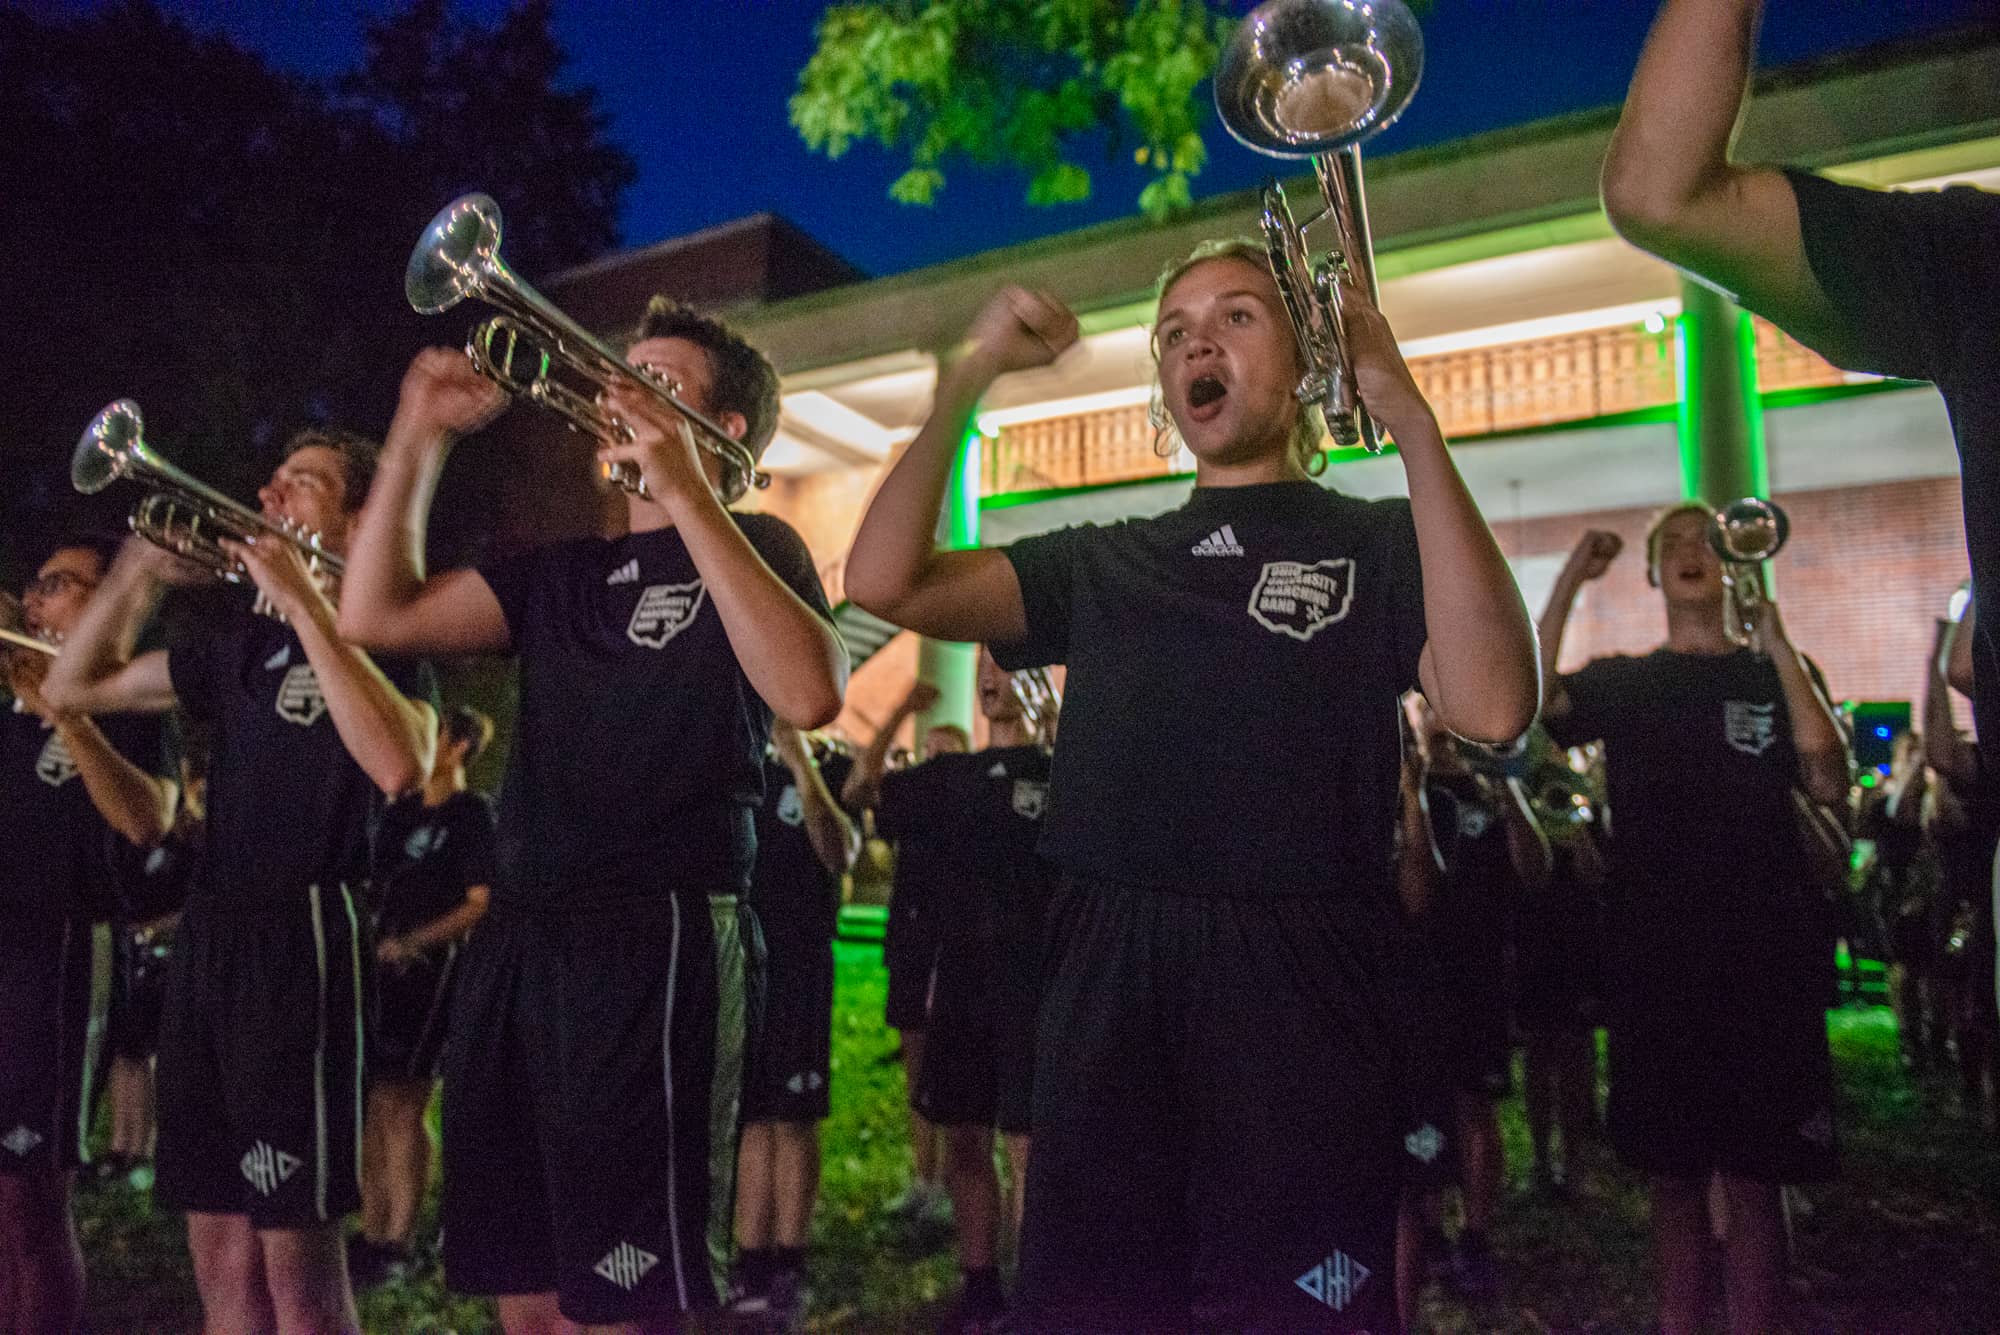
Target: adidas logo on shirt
266, 1169
625, 574
625, 1265
1222, 542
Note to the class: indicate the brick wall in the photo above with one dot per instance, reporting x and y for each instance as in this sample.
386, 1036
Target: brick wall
1866, 572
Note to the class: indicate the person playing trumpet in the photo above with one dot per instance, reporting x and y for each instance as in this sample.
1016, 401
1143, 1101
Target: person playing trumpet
64, 779
591, 1086
1221, 1066
261, 1040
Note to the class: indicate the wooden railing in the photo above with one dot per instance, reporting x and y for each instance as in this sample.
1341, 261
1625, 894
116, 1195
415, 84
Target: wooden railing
1479, 392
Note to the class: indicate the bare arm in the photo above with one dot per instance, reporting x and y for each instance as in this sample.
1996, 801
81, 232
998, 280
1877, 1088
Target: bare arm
1670, 187
96, 673
864, 782
391, 736
387, 602
1588, 560
138, 805
895, 569
788, 651
1479, 666
450, 927
1825, 765
1958, 661
835, 838
1944, 750
1527, 846
1419, 869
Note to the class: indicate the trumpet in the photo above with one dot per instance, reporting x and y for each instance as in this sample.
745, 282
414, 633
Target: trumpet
1745, 534
526, 346
1313, 79
183, 514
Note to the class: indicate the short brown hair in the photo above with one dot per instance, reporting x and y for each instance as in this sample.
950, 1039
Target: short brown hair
357, 459
1309, 428
1687, 507
745, 380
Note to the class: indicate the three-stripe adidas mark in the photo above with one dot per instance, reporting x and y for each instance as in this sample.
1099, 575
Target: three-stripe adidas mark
625, 1265
625, 574
267, 1169
1222, 542
1335, 1280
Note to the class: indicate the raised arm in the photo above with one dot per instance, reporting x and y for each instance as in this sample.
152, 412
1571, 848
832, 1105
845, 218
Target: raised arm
97, 673
1527, 845
864, 782
896, 569
1825, 765
789, 652
138, 805
391, 736
1588, 560
1479, 667
835, 838
387, 602
1944, 750
1670, 187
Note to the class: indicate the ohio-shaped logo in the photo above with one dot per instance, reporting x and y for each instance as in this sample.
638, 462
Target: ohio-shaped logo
1299, 599
664, 611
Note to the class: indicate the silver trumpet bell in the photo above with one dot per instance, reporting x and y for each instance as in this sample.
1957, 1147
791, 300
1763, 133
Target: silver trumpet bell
531, 346
1313, 79
1745, 534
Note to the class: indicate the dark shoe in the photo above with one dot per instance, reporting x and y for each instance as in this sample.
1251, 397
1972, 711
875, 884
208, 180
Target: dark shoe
370, 1265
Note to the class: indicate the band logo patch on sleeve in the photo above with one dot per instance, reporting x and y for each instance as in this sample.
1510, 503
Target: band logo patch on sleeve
1299, 599
664, 611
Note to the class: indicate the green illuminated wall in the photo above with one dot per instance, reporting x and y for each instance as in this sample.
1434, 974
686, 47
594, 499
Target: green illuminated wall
953, 668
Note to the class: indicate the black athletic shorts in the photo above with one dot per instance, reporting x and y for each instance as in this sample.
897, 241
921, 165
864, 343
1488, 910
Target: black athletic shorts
1719, 1057
1556, 962
55, 984
790, 1062
139, 990
591, 1081
910, 952
260, 1072
979, 1042
1472, 972
1222, 1113
412, 1003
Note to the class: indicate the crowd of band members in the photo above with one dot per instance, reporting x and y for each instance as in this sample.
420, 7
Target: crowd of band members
1257, 1033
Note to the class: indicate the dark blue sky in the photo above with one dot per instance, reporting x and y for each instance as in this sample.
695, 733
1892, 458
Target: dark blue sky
697, 90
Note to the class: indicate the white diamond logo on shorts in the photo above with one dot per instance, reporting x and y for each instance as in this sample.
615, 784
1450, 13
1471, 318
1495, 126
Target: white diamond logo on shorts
300, 699
804, 1081
267, 1169
1424, 1144
22, 1141
56, 766
1335, 1280
1301, 599
791, 807
664, 611
625, 1265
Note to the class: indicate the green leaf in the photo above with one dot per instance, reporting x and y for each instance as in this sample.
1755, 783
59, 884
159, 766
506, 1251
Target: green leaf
918, 185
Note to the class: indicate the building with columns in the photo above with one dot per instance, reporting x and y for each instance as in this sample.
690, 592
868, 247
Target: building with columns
1581, 382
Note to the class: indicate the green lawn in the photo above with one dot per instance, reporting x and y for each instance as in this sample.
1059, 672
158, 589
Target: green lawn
1908, 1240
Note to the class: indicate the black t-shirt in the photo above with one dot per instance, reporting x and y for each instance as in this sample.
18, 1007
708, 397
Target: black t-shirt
1699, 766
1471, 834
1231, 722
638, 752
426, 858
59, 849
288, 807
1916, 274
987, 806
792, 890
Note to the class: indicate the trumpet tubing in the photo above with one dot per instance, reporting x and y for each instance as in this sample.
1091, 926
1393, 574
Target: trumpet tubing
531, 346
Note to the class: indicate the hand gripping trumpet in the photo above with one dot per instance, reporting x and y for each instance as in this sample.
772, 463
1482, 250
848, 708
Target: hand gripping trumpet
1313, 79
531, 346
1745, 534
182, 514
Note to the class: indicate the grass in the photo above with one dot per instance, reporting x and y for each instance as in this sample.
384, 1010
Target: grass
1907, 1240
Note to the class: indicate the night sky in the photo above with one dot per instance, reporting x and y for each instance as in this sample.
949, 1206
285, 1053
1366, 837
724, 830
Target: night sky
697, 91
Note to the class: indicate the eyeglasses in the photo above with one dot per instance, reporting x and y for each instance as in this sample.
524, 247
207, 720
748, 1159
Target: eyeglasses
53, 583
